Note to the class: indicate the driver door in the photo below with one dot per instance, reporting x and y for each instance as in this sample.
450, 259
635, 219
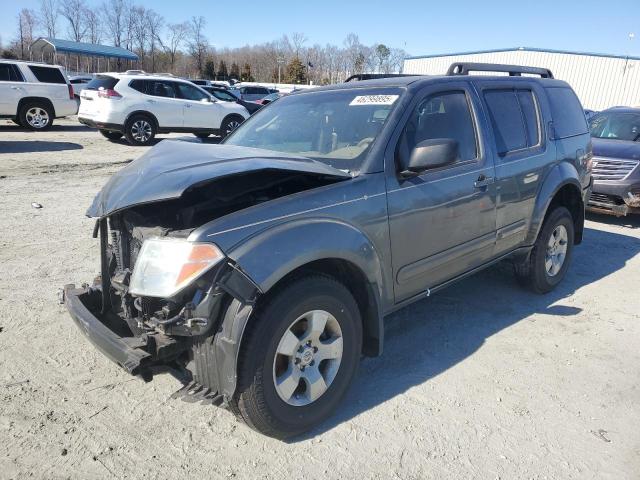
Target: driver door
443, 220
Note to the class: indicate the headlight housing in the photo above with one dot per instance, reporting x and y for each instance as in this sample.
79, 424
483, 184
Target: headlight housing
167, 265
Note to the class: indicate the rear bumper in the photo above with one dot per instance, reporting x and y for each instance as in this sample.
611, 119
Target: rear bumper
134, 354
112, 127
65, 108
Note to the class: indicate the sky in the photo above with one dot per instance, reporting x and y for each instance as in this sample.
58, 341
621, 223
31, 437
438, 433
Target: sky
421, 27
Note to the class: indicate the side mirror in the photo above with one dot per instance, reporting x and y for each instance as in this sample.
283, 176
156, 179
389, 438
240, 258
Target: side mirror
208, 100
433, 153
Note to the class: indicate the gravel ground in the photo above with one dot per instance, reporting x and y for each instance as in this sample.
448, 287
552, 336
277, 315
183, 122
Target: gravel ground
484, 380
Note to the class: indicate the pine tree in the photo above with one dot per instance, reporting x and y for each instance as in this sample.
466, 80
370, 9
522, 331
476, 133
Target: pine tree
223, 74
295, 72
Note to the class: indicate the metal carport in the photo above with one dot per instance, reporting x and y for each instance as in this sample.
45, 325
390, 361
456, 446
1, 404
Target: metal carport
49, 49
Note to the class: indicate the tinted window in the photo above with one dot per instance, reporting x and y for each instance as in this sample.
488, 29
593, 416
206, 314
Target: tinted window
506, 119
530, 116
47, 74
567, 113
221, 95
102, 81
616, 126
9, 73
189, 92
445, 115
79, 80
139, 85
159, 88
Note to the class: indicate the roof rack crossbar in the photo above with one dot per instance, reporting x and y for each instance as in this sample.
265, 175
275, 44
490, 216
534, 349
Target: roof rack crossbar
463, 68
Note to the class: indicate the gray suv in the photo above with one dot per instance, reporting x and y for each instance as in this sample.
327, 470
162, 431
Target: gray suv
260, 270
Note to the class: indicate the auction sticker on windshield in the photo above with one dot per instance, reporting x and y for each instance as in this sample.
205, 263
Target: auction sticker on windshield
374, 100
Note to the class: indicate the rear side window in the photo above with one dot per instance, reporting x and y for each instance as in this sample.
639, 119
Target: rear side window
103, 81
9, 73
139, 85
566, 110
47, 74
160, 88
514, 118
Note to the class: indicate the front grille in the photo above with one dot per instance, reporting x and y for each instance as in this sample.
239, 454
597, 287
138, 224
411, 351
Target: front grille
612, 168
604, 200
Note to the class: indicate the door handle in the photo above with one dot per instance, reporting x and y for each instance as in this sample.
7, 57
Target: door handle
483, 181
151, 101
187, 105
15, 88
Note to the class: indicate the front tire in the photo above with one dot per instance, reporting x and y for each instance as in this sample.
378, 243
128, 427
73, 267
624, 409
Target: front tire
36, 116
140, 130
110, 135
551, 254
301, 352
230, 124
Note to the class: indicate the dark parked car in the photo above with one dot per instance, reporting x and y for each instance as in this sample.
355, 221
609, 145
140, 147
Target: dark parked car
251, 93
269, 98
223, 95
616, 160
260, 270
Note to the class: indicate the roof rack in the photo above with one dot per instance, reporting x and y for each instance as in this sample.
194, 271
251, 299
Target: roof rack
463, 68
372, 76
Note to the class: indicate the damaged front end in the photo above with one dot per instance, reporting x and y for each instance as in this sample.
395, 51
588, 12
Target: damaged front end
145, 334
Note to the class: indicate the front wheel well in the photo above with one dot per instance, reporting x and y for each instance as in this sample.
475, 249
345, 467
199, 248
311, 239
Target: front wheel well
568, 196
355, 280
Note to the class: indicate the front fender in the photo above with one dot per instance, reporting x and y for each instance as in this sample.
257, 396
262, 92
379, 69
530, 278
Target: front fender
560, 175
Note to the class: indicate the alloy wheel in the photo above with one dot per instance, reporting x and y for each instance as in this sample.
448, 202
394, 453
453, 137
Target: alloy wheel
141, 131
307, 358
37, 117
556, 250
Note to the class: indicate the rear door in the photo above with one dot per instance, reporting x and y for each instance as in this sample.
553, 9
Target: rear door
443, 221
521, 152
11, 89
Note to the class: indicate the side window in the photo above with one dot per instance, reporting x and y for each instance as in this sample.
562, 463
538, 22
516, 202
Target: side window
139, 85
189, 92
9, 73
47, 74
567, 113
445, 115
220, 95
160, 88
514, 118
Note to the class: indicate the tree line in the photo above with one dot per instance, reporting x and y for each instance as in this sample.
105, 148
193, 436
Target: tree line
183, 48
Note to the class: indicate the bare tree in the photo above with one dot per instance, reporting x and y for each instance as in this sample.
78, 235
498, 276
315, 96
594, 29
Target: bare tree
115, 14
74, 11
139, 30
298, 39
49, 16
27, 21
94, 29
154, 23
177, 34
198, 42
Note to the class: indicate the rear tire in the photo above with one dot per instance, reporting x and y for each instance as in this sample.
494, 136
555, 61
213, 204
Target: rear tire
301, 351
229, 124
110, 135
36, 116
551, 254
140, 130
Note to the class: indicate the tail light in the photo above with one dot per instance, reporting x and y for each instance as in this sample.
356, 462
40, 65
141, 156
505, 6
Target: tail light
108, 93
71, 97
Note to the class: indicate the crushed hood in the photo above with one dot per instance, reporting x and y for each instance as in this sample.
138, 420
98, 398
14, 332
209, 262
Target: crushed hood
171, 167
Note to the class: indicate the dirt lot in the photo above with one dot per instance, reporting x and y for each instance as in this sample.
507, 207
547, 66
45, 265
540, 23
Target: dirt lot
484, 380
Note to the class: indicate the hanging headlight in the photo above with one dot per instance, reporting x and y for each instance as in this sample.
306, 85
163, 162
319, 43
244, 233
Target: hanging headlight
165, 266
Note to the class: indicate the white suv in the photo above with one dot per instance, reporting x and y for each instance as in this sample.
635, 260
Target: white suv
139, 106
33, 94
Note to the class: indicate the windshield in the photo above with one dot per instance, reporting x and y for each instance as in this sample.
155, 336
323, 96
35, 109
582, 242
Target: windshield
616, 126
336, 127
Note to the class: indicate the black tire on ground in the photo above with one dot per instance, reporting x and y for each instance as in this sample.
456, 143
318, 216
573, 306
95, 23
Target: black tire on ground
140, 130
229, 124
202, 135
111, 135
36, 116
534, 273
16, 121
257, 402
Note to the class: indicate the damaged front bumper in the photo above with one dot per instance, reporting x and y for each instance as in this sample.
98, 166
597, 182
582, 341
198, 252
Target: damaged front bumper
136, 355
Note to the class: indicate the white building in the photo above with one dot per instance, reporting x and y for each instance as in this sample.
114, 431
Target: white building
601, 81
